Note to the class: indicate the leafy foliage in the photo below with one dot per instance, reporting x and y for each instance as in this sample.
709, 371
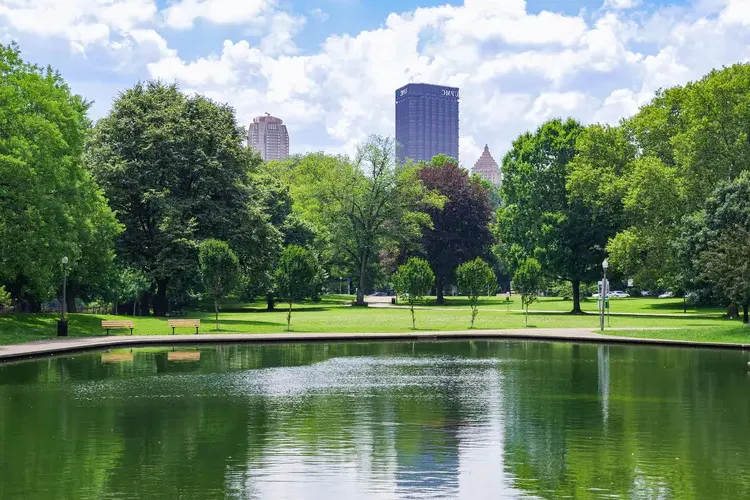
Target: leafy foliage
689, 140
5, 299
49, 204
365, 206
298, 275
529, 283
413, 281
475, 278
541, 219
176, 172
219, 269
460, 228
131, 285
718, 238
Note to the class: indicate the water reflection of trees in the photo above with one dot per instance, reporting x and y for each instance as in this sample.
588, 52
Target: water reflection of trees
668, 425
567, 420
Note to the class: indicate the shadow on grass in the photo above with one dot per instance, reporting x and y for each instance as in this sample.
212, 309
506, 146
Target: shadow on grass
223, 321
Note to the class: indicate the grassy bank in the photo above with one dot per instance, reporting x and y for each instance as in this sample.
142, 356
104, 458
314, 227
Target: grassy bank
333, 315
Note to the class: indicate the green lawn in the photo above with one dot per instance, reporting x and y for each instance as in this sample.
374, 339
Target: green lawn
735, 333
640, 305
332, 315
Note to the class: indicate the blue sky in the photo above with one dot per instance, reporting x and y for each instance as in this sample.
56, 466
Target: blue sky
329, 67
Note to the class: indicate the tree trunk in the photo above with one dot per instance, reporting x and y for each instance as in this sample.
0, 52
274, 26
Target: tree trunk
135, 303
413, 320
362, 279
270, 303
439, 285
70, 298
289, 317
216, 311
160, 300
526, 321
576, 297
745, 315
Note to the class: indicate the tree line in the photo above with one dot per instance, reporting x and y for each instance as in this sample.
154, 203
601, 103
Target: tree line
664, 194
161, 201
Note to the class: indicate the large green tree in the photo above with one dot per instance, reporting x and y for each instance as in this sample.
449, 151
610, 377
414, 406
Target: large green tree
50, 206
688, 140
718, 240
176, 172
541, 218
460, 229
364, 206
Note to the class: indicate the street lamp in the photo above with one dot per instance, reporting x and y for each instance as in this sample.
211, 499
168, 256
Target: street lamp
603, 294
62, 325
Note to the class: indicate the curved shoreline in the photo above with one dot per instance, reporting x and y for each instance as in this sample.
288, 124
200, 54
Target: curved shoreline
574, 335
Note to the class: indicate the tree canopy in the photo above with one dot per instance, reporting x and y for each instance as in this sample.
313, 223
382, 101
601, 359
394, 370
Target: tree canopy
50, 206
540, 218
298, 276
176, 172
219, 269
460, 229
475, 278
413, 281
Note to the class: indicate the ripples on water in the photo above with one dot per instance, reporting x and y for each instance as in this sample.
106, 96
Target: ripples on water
400, 420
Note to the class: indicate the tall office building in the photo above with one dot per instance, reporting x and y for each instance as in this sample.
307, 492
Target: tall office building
426, 121
487, 168
268, 136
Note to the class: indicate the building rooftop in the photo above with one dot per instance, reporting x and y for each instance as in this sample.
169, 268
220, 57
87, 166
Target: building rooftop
487, 167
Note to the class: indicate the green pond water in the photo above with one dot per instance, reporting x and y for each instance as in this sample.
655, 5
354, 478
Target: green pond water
464, 420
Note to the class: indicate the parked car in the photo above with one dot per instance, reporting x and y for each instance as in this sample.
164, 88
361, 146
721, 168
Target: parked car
380, 294
618, 295
645, 293
666, 295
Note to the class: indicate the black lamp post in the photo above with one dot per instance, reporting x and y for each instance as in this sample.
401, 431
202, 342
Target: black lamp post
62, 324
603, 294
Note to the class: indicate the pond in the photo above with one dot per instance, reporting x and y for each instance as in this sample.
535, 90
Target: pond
489, 419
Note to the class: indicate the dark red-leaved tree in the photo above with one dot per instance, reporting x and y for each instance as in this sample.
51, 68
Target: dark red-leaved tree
461, 229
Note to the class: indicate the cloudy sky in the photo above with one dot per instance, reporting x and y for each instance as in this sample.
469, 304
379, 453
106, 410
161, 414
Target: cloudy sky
329, 67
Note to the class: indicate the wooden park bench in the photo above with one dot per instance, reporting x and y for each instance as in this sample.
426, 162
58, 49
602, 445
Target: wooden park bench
117, 325
184, 323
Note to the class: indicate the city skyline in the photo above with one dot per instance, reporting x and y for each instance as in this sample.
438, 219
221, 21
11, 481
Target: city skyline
329, 67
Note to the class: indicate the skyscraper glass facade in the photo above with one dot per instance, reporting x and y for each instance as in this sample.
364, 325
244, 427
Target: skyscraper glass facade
426, 121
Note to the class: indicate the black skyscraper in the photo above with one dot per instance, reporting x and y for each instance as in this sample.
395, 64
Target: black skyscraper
426, 121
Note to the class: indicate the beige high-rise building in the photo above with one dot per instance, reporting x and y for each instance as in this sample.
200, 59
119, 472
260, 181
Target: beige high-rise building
487, 168
268, 136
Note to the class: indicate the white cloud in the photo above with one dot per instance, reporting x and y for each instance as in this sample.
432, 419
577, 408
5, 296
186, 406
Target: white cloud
621, 4
280, 38
81, 22
319, 14
515, 68
182, 14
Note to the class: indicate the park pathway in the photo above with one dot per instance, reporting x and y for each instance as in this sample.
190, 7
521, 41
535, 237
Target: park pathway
577, 335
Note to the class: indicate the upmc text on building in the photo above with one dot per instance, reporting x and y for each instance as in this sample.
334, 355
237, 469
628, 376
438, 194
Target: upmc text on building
427, 121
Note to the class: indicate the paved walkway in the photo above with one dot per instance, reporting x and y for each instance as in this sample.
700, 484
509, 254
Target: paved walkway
73, 344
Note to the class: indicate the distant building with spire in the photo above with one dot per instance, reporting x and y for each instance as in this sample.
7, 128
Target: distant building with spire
487, 168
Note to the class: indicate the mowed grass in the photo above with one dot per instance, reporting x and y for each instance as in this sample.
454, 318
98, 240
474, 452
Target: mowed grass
734, 334
639, 305
333, 315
